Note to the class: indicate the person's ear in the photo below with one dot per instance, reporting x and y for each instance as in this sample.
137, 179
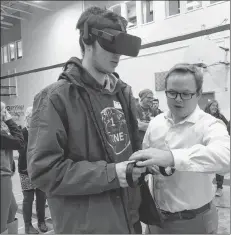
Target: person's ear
199, 94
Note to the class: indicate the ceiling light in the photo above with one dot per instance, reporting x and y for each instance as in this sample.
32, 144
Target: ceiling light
37, 1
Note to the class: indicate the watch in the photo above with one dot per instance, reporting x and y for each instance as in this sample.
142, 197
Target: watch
167, 171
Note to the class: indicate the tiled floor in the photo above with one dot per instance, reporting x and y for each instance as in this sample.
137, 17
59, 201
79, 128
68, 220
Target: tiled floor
223, 206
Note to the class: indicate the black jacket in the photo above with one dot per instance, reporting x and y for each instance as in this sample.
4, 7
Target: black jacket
15, 140
9, 142
22, 160
69, 158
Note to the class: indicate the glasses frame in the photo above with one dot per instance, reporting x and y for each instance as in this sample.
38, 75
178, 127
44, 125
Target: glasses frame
178, 93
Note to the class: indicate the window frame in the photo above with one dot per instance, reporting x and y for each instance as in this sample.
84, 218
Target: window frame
10, 59
16, 43
7, 54
134, 26
167, 11
194, 9
142, 16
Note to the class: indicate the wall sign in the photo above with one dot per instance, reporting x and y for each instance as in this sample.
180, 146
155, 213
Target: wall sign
17, 113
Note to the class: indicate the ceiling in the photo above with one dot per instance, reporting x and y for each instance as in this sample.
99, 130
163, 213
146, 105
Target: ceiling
14, 11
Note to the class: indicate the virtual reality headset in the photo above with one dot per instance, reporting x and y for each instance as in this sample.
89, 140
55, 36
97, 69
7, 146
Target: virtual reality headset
114, 41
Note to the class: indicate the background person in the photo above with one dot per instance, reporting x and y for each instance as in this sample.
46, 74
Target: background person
213, 108
144, 111
28, 189
156, 107
11, 139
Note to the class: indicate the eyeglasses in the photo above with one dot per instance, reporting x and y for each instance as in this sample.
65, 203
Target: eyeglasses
183, 96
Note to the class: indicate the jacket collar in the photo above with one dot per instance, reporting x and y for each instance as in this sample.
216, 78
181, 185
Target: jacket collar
75, 73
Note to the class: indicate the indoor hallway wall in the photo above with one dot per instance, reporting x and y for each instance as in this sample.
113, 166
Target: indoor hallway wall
50, 38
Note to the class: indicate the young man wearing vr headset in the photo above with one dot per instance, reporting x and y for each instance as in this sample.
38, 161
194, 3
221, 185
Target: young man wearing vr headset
84, 129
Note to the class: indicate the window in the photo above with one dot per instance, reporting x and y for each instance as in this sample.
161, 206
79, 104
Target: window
19, 49
131, 14
192, 5
147, 11
172, 8
12, 50
116, 9
5, 55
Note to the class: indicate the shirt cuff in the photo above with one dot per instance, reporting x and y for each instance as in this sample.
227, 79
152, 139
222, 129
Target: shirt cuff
180, 158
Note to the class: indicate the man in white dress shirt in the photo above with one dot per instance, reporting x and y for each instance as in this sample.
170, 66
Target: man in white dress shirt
194, 144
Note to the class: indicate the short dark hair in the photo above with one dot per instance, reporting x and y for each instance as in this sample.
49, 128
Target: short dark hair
187, 68
105, 13
155, 99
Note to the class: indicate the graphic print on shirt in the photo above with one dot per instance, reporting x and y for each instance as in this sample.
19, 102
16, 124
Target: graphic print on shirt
116, 129
146, 116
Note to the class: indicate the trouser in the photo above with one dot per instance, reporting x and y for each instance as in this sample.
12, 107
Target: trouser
8, 204
28, 198
203, 223
13, 210
220, 180
138, 228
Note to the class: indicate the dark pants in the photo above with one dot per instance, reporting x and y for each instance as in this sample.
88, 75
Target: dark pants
13, 210
28, 198
220, 180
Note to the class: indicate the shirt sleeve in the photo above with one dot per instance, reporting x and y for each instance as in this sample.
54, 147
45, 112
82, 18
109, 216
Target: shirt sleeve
211, 156
146, 142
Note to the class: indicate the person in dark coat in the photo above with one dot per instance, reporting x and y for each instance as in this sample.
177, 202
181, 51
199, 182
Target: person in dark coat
156, 107
28, 189
11, 139
145, 111
213, 108
83, 130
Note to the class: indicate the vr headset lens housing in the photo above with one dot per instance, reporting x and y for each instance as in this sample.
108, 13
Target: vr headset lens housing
117, 42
